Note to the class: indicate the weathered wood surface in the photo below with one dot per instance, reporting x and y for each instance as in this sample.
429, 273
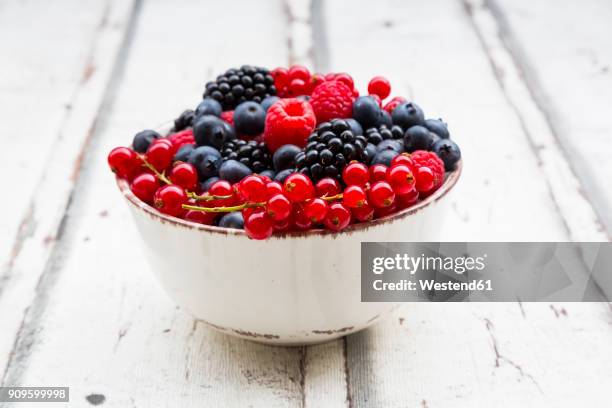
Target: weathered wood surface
79, 308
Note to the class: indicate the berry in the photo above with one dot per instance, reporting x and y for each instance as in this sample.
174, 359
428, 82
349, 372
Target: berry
249, 118
122, 161
233, 171
316, 210
381, 194
258, 225
332, 99
232, 220
364, 213
268, 173
298, 188
205, 185
407, 114
384, 157
284, 157
449, 152
401, 179
273, 188
142, 140
421, 158
354, 126
330, 147
338, 217
407, 200
376, 135
425, 180
378, 172
269, 101
391, 144
438, 127
419, 138
206, 160
289, 121
384, 211
327, 187
281, 79
201, 217
299, 72
346, 79
184, 120
385, 119
253, 154
182, 154
355, 174
248, 83
181, 138
169, 199
184, 175
393, 103
144, 187
379, 86
208, 106
253, 188
228, 117
367, 111
279, 207
300, 220
353, 197
160, 155
298, 87
282, 175
209, 130
403, 158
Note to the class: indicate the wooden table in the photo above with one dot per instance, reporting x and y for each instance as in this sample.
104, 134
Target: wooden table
525, 86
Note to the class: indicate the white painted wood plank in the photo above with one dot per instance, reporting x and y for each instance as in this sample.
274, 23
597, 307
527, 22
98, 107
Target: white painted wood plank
564, 50
139, 350
53, 138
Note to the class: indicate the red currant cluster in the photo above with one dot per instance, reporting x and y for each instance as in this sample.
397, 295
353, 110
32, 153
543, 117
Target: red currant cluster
298, 80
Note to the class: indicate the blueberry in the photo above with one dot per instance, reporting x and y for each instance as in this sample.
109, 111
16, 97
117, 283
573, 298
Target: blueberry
269, 101
206, 161
284, 157
208, 106
205, 185
385, 119
366, 111
232, 220
249, 118
407, 114
354, 126
419, 138
282, 175
209, 130
448, 152
143, 139
370, 152
233, 171
268, 173
384, 157
183, 153
438, 127
390, 144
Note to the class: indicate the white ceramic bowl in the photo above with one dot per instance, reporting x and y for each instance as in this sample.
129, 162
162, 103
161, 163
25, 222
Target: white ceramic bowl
292, 289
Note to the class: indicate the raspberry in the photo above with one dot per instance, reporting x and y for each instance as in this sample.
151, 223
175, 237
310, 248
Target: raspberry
181, 138
332, 100
422, 158
289, 121
393, 103
228, 116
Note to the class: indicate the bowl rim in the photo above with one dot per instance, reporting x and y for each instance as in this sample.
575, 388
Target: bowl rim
450, 180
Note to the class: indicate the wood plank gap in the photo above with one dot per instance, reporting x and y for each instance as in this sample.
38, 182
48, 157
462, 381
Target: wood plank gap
320, 39
567, 193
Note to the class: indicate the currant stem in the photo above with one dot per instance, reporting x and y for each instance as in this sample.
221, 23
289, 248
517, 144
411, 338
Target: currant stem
206, 197
332, 198
161, 176
223, 209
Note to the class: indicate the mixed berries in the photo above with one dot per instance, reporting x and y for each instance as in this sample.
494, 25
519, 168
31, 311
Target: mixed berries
289, 150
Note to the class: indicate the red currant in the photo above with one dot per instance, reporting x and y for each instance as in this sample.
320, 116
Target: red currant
298, 87
379, 86
338, 217
201, 217
381, 194
273, 188
346, 78
253, 188
298, 188
160, 154
316, 210
184, 175
281, 77
282, 225
355, 174
258, 226
300, 220
315, 80
364, 213
221, 188
279, 207
407, 200
384, 211
401, 179
299, 72
247, 212
144, 187
327, 187
353, 197
169, 199
403, 158
378, 172
122, 161
393, 103
424, 179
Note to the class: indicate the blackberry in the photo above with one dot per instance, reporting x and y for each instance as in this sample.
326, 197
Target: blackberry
375, 135
329, 149
253, 154
184, 121
237, 85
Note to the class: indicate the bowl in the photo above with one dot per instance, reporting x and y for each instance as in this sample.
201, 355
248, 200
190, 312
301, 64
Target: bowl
296, 288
